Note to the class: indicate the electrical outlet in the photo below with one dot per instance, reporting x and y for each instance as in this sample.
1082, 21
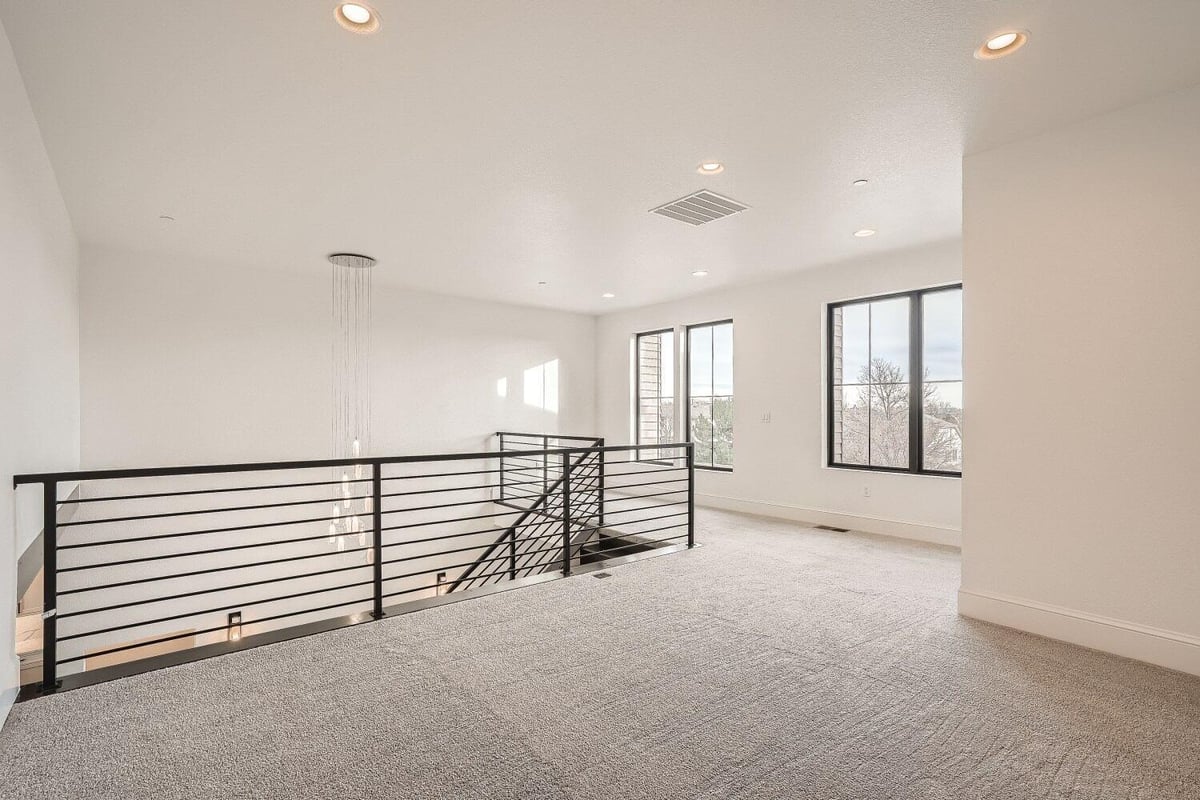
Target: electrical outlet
866, 491
766, 417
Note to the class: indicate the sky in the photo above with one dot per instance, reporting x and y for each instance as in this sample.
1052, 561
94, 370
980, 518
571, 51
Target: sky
887, 323
711, 353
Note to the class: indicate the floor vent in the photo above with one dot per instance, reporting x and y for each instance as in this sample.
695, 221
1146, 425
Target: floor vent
699, 207
601, 574
831, 528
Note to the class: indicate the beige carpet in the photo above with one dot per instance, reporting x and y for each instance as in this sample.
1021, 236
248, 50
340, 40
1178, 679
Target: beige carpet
774, 662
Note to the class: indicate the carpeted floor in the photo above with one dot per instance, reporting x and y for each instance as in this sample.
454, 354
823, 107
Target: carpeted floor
774, 662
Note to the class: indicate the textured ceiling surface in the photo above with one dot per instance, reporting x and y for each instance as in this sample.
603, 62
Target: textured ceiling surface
478, 148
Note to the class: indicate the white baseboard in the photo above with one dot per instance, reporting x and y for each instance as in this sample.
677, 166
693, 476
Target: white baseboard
8, 695
918, 531
1177, 651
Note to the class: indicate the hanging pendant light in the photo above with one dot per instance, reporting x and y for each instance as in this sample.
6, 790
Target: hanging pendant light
351, 303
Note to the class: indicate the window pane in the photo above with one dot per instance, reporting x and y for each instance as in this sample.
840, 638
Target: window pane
850, 437
701, 420
852, 341
722, 410
942, 356
943, 426
656, 387
700, 344
889, 341
722, 369
889, 425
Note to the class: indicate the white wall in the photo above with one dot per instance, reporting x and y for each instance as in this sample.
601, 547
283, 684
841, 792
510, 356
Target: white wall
190, 363
1082, 269
39, 390
201, 363
778, 344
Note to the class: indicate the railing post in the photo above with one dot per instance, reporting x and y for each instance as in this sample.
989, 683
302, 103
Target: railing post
502, 467
49, 586
512, 555
545, 465
377, 536
600, 493
566, 512
691, 519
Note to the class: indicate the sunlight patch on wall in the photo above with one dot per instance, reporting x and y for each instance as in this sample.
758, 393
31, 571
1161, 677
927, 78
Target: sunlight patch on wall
502, 387
541, 386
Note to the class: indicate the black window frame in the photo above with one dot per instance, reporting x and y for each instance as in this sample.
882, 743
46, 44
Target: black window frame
687, 388
637, 379
916, 382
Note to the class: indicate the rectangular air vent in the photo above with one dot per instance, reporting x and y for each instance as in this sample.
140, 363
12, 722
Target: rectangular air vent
699, 207
831, 528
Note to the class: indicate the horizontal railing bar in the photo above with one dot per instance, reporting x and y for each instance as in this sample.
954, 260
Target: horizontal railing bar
209, 571
211, 630
645, 483
529, 557
608, 514
524, 460
207, 531
461, 488
274, 466
138, 517
240, 604
443, 474
639, 496
210, 551
234, 587
458, 504
641, 520
496, 531
528, 567
612, 474
508, 513
500, 533
657, 530
603, 553
448, 552
549, 436
257, 488
446, 568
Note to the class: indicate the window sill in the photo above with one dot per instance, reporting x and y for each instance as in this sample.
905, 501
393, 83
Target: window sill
892, 471
713, 469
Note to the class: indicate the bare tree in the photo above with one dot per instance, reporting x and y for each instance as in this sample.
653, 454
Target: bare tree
875, 426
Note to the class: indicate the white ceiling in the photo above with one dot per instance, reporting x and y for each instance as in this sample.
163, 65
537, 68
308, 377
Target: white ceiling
476, 147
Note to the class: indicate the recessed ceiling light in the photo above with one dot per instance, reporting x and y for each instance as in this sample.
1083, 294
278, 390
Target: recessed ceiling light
859, 182
864, 233
608, 295
710, 168
1002, 44
700, 273
357, 17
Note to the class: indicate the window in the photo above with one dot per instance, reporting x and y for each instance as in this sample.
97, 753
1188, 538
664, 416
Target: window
656, 387
710, 394
883, 353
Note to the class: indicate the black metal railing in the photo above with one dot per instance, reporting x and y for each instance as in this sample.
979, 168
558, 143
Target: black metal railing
163, 565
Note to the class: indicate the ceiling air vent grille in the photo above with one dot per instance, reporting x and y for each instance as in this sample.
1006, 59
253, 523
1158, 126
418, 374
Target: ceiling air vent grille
699, 207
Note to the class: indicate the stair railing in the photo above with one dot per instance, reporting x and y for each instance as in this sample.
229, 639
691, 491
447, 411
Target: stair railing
153, 566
